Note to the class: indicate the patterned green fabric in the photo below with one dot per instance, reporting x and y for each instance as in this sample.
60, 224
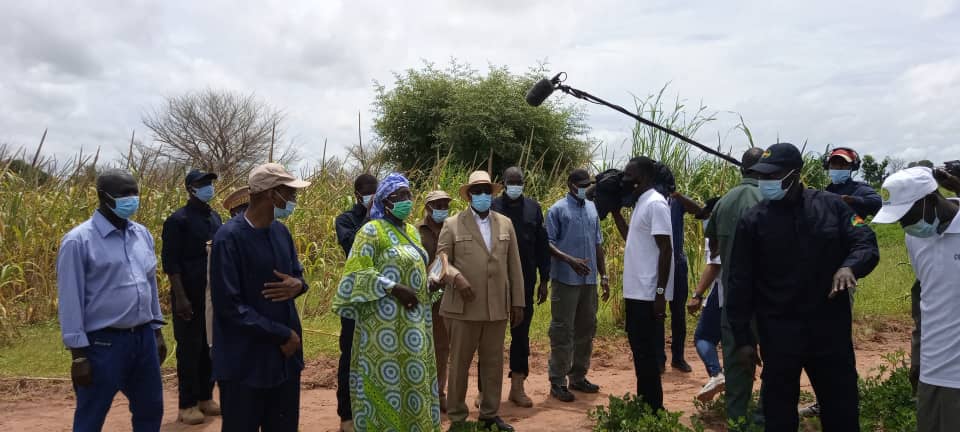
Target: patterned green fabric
393, 371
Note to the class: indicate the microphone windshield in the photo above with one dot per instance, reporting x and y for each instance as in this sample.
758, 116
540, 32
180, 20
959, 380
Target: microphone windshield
539, 92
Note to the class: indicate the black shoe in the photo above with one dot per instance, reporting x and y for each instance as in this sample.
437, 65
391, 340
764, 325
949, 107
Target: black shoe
501, 425
585, 387
561, 393
681, 365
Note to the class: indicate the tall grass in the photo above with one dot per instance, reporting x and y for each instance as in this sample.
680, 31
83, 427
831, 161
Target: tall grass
36, 211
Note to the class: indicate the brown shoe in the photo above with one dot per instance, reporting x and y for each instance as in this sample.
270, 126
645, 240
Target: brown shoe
209, 408
191, 416
517, 394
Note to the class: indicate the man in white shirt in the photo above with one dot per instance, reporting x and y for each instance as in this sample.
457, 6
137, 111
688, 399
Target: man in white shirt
933, 243
647, 274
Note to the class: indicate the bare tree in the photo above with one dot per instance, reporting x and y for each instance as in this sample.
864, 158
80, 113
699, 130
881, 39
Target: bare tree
896, 164
221, 131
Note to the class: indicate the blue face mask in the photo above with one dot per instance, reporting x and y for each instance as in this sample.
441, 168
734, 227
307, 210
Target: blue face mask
204, 193
774, 190
366, 200
840, 176
481, 202
581, 193
125, 207
923, 229
285, 211
514, 191
439, 216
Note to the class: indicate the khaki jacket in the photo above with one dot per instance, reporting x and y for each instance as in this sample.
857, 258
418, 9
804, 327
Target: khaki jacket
495, 277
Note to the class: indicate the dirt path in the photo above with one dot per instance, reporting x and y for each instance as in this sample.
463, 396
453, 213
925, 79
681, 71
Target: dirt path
48, 407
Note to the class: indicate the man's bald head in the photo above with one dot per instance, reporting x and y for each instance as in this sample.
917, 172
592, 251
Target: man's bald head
115, 183
750, 158
513, 176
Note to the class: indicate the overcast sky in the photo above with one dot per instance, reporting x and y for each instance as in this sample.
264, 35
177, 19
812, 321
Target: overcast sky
880, 76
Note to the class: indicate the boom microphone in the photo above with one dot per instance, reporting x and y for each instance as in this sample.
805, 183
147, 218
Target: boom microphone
542, 90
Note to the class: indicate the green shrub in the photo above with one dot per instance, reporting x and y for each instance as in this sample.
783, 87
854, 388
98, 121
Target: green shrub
886, 398
631, 414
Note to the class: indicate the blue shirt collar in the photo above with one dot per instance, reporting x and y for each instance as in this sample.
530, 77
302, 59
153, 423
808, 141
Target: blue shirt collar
103, 226
571, 199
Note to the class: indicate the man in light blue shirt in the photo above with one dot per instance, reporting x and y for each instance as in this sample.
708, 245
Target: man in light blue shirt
109, 311
573, 229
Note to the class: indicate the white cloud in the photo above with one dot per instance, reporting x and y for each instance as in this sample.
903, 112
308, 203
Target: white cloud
882, 76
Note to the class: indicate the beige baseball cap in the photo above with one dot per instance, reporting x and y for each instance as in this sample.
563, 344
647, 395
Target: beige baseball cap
436, 196
271, 175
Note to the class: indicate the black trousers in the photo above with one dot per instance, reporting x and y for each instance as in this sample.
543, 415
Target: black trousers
194, 366
347, 327
678, 316
641, 327
834, 378
249, 409
520, 339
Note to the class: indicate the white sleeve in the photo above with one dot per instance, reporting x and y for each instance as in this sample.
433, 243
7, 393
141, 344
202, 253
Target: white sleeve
710, 260
659, 213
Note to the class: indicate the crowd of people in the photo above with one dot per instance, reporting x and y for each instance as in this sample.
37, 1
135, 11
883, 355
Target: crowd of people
419, 300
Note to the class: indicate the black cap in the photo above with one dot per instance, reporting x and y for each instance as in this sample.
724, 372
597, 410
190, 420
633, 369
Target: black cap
579, 176
196, 175
779, 157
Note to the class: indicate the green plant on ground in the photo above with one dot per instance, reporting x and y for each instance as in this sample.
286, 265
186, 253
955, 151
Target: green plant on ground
631, 414
886, 397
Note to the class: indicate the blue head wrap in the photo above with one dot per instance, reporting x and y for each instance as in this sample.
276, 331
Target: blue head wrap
386, 187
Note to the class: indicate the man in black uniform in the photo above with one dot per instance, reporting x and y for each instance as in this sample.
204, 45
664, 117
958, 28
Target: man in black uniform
840, 164
795, 253
347, 225
184, 254
527, 218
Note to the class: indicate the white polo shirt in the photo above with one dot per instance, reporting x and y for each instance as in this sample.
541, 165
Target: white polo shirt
651, 216
936, 262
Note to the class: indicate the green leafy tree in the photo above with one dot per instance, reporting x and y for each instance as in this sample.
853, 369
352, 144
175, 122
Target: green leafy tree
874, 171
430, 114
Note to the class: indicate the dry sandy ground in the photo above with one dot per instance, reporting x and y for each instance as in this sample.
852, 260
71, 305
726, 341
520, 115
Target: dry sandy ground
48, 407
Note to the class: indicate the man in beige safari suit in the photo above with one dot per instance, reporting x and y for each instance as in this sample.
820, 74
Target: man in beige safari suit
487, 292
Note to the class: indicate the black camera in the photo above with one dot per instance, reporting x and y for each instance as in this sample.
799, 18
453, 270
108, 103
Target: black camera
952, 167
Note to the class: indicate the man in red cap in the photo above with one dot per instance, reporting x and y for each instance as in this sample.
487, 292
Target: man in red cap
841, 164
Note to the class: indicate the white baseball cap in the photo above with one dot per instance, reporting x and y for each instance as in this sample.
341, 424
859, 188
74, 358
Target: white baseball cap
905, 188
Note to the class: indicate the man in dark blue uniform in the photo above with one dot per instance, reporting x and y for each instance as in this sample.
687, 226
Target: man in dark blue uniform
794, 255
841, 164
527, 218
184, 254
347, 225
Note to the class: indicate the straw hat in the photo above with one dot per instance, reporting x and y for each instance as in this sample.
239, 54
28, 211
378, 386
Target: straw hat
237, 198
478, 178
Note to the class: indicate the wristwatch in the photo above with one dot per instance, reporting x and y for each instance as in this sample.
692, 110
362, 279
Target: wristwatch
660, 291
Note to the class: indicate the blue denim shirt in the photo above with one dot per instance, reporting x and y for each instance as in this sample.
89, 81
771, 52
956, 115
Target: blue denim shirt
106, 277
573, 226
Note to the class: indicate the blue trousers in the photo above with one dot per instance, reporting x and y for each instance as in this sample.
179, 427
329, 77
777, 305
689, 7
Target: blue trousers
707, 336
250, 409
124, 361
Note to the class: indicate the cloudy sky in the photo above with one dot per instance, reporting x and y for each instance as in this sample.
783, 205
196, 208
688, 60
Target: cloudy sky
881, 76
